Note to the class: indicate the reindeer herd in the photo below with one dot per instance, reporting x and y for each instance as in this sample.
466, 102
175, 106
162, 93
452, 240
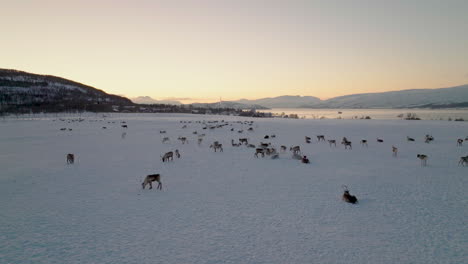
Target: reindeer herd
263, 149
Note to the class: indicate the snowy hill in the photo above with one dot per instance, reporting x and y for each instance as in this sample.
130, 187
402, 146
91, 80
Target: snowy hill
399, 99
286, 101
149, 100
24, 92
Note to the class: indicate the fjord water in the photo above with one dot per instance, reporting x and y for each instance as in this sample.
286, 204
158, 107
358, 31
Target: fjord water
425, 114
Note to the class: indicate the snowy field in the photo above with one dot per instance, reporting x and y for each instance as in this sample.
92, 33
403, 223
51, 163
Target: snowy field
231, 207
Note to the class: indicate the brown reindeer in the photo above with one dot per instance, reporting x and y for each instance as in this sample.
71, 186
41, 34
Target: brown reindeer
152, 178
167, 156
283, 148
177, 153
459, 142
243, 141
332, 142
347, 144
165, 139
307, 140
347, 197
321, 138
70, 158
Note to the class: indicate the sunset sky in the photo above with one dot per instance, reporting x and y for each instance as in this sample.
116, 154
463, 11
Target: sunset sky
202, 50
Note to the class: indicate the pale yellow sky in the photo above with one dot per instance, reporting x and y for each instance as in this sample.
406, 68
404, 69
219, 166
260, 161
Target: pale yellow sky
205, 49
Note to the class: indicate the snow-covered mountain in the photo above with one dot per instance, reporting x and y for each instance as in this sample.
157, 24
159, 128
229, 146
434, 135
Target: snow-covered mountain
149, 100
286, 101
23, 92
228, 104
399, 99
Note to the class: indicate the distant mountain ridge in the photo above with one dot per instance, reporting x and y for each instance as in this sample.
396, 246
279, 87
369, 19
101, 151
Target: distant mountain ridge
424, 98
399, 99
286, 101
149, 100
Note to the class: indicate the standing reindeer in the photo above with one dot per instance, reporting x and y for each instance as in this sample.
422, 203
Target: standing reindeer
423, 159
463, 161
394, 151
70, 158
321, 138
177, 153
167, 156
364, 143
295, 149
152, 178
459, 142
332, 142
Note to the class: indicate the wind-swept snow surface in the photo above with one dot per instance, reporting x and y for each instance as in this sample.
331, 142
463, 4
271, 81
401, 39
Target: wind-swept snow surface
230, 207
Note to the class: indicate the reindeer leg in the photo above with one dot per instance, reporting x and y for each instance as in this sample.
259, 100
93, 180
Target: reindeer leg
151, 185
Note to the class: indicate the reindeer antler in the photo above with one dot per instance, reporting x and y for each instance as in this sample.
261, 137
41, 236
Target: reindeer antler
345, 188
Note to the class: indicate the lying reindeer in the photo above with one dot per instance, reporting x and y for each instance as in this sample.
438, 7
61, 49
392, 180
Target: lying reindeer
165, 139
152, 178
409, 139
423, 159
305, 160
70, 158
167, 156
347, 197
379, 140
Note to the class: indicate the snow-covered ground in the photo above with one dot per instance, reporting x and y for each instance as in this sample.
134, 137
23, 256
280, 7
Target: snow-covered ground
231, 207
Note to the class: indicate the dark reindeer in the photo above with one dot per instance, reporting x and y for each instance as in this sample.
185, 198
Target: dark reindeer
347, 197
152, 178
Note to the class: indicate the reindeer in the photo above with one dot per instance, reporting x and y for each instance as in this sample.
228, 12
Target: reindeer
409, 139
259, 151
70, 158
463, 161
167, 156
184, 126
364, 143
251, 146
283, 148
264, 145
124, 134
183, 140
200, 141
250, 129
266, 137
347, 197
244, 141
347, 144
394, 151
152, 178
332, 142
234, 144
217, 146
428, 138
423, 159
459, 142
379, 140
124, 126
321, 138
307, 140
270, 151
162, 131
305, 160
295, 149
177, 153
165, 139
